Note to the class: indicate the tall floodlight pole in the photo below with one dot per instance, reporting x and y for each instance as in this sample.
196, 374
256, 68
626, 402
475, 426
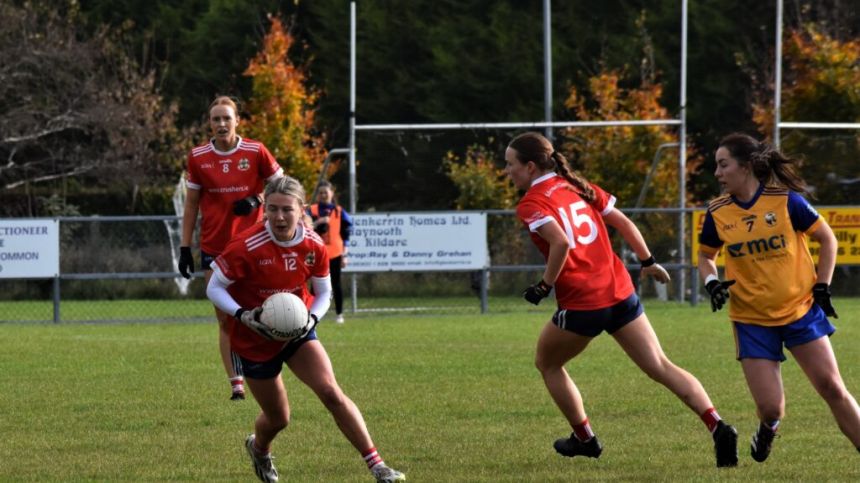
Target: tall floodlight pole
777, 75
547, 67
353, 195
682, 156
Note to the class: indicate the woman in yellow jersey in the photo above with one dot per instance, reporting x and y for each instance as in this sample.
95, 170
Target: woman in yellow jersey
778, 296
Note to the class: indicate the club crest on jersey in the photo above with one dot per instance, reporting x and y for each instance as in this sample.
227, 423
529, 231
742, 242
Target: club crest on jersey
310, 259
770, 218
244, 164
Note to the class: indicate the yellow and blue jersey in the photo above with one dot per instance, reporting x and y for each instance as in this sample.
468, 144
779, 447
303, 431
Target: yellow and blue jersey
766, 253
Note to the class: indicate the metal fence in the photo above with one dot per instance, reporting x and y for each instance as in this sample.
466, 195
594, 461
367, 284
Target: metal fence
122, 269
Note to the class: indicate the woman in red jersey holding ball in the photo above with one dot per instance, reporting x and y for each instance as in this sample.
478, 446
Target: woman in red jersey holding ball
566, 217
281, 254
225, 178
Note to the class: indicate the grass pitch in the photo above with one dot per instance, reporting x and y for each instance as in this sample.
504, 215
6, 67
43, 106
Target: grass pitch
450, 397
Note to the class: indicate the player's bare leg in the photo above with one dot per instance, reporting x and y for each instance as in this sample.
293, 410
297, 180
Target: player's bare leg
554, 349
642, 346
273, 418
764, 380
817, 360
232, 364
312, 366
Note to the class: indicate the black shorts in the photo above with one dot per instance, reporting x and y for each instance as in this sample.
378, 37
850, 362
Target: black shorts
206, 260
591, 323
272, 367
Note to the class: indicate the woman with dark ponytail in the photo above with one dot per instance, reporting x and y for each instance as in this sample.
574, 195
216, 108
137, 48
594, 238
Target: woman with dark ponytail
566, 217
778, 296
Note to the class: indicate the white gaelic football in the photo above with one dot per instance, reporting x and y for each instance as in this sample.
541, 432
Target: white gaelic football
286, 315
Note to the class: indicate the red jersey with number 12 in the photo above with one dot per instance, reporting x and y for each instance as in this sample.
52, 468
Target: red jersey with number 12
592, 277
255, 265
222, 178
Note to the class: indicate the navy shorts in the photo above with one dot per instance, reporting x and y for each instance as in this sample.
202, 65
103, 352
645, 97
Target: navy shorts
272, 367
206, 260
591, 323
760, 342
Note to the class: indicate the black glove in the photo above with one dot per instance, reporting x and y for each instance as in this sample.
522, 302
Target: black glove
186, 262
246, 205
537, 292
821, 294
719, 293
321, 229
311, 325
251, 319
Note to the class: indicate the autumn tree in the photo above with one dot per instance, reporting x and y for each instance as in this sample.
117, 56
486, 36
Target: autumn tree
821, 83
282, 108
618, 159
76, 108
481, 184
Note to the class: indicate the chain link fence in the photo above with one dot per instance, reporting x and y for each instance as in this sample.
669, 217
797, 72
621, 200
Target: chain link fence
122, 269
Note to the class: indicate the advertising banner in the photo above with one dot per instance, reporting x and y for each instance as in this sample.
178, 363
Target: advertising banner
383, 242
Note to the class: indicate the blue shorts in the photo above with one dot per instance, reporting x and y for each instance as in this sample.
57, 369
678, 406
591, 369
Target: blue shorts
760, 342
272, 367
591, 323
206, 260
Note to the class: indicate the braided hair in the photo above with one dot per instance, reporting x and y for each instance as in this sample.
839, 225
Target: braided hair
531, 146
767, 164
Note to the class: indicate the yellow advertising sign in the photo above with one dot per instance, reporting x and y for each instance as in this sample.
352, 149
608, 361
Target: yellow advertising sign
845, 223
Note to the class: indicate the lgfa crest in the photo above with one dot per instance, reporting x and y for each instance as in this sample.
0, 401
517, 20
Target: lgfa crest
770, 218
310, 259
244, 164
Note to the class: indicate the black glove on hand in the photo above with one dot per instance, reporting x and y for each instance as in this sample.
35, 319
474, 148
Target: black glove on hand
537, 292
311, 325
821, 294
245, 205
186, 262
251, 319
719, 293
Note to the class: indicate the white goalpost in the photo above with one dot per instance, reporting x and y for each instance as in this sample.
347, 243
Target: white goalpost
547, 124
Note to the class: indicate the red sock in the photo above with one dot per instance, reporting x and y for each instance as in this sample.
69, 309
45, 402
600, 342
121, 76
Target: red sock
372, 458
710, 418
237, 383
583, 431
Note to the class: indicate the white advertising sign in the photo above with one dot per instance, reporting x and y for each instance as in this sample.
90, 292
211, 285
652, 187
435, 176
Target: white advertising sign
383, 242
29, 248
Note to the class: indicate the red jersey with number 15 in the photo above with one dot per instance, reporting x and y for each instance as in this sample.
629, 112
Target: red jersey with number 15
592, 277
255, 265
222, 178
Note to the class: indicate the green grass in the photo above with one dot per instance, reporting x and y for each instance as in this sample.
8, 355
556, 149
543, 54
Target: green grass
449, 397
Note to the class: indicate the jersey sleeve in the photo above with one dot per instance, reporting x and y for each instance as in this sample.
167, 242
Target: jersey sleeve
269, 167
533, 215
192, 178
709, 239
803, 216
603, 201
232, 265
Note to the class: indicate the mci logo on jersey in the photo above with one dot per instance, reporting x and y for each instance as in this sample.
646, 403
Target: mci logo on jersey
757, 246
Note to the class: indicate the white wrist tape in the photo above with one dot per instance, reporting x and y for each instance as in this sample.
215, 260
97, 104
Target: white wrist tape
711, 277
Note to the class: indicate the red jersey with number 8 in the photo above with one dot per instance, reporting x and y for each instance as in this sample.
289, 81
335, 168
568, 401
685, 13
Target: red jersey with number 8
593, 277
224, 177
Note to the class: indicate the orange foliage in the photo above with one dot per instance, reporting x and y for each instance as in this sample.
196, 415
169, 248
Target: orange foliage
820, 81
282, 108
619, 158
